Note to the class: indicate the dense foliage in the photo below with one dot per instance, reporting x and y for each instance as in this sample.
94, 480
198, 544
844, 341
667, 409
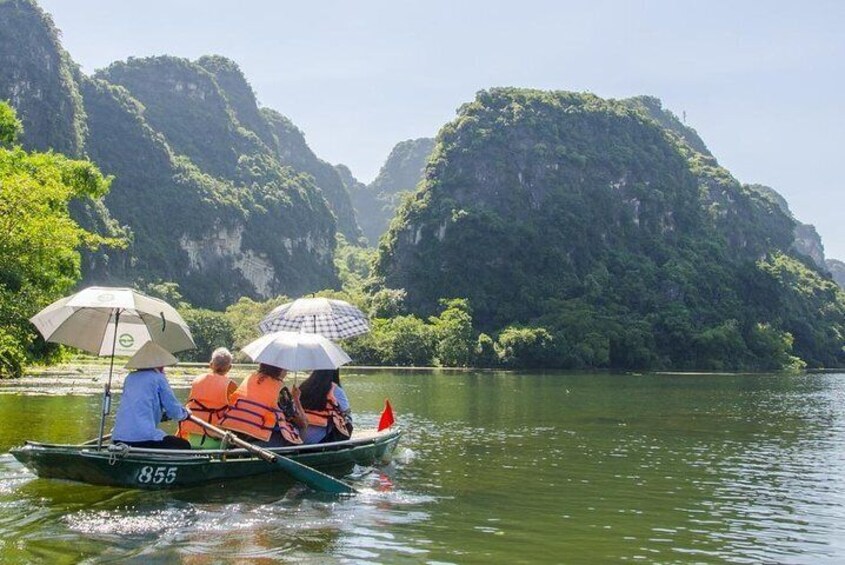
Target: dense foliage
39, 80
630, 248
198, 230
293, 151
376, 204
222, 196
39, 241
210, 191
837, 271
547, 229
210, 330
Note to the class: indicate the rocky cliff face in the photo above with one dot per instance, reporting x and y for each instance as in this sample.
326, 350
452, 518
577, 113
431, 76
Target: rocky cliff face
188, 226
200, 186
376, 204
751, 222
724, 191
837, 270
183, 101
39, 79
807, 240
570, 211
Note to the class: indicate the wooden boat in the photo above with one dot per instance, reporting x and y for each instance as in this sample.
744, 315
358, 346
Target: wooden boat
123, 466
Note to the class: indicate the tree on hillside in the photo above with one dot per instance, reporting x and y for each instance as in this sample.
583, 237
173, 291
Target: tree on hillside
39, 242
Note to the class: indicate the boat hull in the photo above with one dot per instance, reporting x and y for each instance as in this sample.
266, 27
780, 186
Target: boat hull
163, 469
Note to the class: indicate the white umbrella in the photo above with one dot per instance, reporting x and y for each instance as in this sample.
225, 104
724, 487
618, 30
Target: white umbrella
112, 321
334, 319
296, 351
87, 321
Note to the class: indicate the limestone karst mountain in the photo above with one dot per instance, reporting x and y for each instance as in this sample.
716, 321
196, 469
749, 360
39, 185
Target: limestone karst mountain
202, 174
377, 202
591, 218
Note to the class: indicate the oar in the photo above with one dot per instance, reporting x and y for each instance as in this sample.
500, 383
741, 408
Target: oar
97, 439
302, 473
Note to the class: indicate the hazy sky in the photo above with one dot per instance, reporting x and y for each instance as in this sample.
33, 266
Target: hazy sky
761, 81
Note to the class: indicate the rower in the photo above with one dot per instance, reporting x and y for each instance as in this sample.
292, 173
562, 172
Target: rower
146, 396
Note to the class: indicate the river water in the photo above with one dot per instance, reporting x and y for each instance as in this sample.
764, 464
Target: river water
493, 468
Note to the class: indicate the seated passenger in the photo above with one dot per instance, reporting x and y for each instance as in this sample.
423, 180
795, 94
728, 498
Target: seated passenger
146, 396
326, 408
255, 412
209, 400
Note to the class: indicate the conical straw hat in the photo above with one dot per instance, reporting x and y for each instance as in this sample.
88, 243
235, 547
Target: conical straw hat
151, 355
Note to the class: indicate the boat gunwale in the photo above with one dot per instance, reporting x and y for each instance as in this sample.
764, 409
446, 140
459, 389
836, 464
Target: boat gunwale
194, 455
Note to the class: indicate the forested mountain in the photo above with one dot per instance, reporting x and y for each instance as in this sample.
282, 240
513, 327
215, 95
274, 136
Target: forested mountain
807, 240
376, 204
837, 271
220, 196
589, 218
202, 231
292, 150
40, 80
570, 230
653, 108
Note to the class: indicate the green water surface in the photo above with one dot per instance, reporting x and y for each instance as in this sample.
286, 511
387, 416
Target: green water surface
493, 468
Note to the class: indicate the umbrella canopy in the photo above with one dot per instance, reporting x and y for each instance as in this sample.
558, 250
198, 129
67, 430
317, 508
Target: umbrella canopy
113, 321
296, 351
334, 319
86, 320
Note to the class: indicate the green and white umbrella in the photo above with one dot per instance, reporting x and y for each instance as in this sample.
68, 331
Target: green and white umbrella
89, 319
113, 321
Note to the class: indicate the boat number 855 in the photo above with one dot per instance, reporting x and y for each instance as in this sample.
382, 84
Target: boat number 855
157, 475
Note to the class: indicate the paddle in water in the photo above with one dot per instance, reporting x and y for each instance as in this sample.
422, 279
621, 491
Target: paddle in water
302, 473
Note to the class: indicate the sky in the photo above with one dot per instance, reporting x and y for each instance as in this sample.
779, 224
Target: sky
761, 82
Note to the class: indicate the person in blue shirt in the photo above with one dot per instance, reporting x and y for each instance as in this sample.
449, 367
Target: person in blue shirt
326, 407
146, 397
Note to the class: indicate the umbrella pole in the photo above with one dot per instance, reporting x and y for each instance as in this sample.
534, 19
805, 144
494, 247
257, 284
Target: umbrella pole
107, 392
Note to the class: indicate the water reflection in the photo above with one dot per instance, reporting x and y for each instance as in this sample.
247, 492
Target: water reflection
494, 467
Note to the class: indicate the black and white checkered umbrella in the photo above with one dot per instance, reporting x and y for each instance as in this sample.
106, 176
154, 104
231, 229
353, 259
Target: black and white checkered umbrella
334, 319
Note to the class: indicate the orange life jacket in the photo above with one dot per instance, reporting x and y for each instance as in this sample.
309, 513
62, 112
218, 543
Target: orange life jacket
254, 410
331, 410
209, 400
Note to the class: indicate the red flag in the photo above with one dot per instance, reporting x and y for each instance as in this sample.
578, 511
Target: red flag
386, 419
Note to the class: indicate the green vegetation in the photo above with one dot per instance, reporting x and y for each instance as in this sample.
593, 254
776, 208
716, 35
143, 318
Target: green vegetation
210, 191
376, 204
540, 229
219, 190
596, 233
210, 330
39, 80
293, 151
837, 271
39, 241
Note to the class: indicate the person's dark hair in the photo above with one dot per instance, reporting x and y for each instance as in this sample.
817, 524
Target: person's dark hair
316, 387
270, 371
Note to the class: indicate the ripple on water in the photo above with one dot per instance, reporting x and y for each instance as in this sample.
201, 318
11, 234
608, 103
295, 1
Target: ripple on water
127, 522
742, 470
